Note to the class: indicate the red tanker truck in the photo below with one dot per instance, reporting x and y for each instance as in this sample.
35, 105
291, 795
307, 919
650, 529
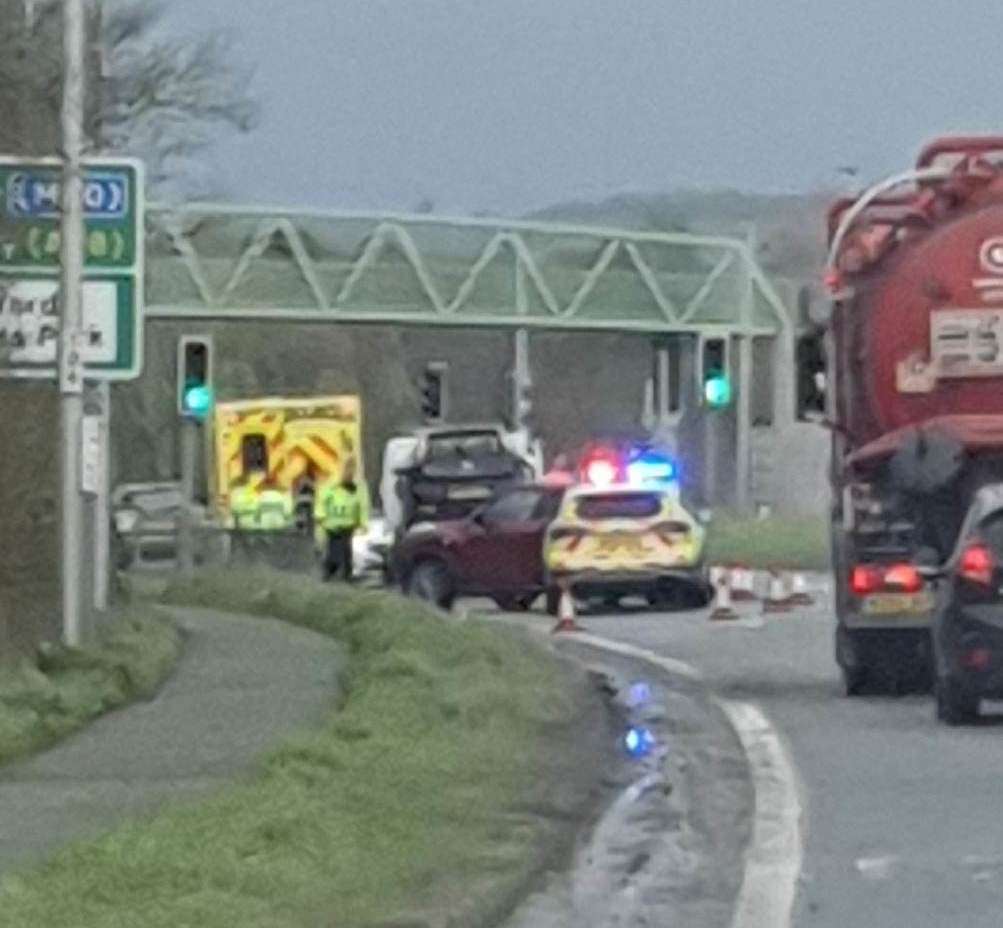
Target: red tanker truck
907, 372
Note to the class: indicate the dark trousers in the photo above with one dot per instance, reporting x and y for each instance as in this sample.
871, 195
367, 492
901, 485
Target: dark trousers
338, 560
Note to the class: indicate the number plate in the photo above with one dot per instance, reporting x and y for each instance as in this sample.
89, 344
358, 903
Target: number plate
627, 544
897, 603
467, 492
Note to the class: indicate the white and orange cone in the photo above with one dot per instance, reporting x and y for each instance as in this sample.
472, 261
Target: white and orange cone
778, 597
566, 617
721, 609
743, 585
799, 591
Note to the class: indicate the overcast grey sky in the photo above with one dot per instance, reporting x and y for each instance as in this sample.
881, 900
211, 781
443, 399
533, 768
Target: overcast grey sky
509, 105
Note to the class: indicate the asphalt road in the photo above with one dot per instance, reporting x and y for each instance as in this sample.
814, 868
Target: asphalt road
903, 816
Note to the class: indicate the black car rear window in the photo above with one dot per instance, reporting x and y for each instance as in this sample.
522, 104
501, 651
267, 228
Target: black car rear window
464, 444
619, 506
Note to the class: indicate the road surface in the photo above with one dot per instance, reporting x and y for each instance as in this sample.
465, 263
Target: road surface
902, 814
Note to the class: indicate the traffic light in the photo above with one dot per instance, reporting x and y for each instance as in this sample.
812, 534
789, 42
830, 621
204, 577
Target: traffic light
714, 374
433, 392
195, 396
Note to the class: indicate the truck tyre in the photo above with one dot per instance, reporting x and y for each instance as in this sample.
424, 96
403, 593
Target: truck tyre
430, 580
956, 704
854, 681
851, 655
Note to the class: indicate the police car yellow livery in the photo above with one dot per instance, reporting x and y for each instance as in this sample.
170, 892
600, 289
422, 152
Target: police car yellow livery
615, 540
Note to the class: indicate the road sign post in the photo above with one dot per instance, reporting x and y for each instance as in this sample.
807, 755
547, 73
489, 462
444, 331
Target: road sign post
71, 381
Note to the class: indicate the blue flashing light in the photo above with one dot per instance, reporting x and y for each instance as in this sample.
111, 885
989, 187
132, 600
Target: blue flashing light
198, 401
638, 741
651, 468
639, 693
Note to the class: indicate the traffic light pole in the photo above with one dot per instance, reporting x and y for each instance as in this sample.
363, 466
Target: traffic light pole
743, 423
185, 528
521, 379
71, 379
710, 445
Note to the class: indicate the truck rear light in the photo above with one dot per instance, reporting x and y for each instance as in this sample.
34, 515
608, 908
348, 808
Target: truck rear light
977, 564
865, 579
903, 577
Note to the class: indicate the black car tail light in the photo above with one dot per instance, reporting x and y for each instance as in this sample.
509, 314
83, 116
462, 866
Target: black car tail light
977, 564
873, 578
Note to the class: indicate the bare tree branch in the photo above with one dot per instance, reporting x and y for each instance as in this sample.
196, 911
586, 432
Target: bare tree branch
165, 97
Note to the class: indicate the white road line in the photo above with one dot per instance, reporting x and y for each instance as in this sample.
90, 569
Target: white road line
679, 668
773, 860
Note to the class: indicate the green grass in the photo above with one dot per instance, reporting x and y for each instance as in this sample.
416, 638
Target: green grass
65, 688
420, 797
800, 542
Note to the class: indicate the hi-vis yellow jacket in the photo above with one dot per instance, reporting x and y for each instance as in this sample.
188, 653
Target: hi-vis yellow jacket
336, 508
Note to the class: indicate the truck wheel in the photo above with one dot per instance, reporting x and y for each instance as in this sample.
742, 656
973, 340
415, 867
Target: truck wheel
852, 657
956, 704
431, 582
854, 681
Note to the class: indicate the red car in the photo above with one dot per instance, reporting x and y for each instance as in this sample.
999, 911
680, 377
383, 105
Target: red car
497, 551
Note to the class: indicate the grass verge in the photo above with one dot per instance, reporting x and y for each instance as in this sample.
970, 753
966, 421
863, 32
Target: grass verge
793, 543
434, 795
65, 688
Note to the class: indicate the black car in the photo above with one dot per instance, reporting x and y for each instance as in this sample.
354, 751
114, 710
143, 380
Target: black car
462, 469
968, 613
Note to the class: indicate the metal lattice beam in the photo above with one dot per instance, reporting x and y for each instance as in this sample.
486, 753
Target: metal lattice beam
219, 261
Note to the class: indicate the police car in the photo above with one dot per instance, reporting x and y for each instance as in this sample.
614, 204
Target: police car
624, 531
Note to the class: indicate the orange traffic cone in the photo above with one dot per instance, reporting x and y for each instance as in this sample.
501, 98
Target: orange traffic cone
566, 613
777, 596
743, 585
721, 609
799, 591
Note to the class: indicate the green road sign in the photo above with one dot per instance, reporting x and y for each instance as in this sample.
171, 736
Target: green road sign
29, 267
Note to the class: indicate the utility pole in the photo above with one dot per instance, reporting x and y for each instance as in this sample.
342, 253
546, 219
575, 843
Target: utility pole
71, 372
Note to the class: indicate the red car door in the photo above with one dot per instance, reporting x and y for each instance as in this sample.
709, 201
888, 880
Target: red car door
505, 552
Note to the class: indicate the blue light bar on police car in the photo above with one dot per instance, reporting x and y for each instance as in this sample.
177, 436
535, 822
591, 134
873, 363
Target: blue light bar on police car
651, 468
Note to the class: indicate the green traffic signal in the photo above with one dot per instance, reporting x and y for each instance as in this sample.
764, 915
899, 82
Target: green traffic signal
198, 401
717, 391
